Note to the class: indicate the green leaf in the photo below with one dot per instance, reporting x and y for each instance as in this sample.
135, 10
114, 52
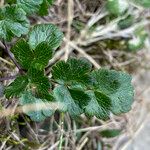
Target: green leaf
45, 33
10, 2
29, 6
115, 85
99, 105
73, 101
43, 10
13, 22
23, 53
72, 71
117, 7
35, 108
110, 133
42, 54
26, 57
40, 83
16, 87
127, 22
144, 3
35, 6
80, 97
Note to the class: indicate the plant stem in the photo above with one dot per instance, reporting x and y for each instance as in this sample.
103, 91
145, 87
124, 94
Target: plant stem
61, 136
12, 58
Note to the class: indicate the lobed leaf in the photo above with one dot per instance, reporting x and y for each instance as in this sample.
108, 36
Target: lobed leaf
48, 33
40, 83
42, 54
99, 105
35, 6
72, 71
26, 57
40, 111
115, 85
17, 87
74, 101
13, 22
23, 53
29, 6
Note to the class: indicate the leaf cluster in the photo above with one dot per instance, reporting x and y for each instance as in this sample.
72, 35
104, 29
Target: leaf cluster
79, 88
13, 17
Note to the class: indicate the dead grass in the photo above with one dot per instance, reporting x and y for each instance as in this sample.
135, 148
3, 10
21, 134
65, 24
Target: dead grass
18, 132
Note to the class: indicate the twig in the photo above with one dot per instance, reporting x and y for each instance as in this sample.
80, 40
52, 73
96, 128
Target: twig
70, 18
83, 53
11, 57
61, 135
8, 78
83, 144
5, 61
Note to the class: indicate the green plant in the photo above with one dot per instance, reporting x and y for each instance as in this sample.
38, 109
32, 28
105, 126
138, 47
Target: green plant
79, 89
74, 85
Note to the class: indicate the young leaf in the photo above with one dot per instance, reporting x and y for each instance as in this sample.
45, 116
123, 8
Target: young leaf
16, 87
45, 33
13, 22
73, 101
40, 83
115, 85
42, 54
72, 71
117, 7
23, 53
26, 57
36, 108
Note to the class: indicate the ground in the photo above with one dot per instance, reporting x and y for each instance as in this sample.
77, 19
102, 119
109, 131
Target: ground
89, 35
